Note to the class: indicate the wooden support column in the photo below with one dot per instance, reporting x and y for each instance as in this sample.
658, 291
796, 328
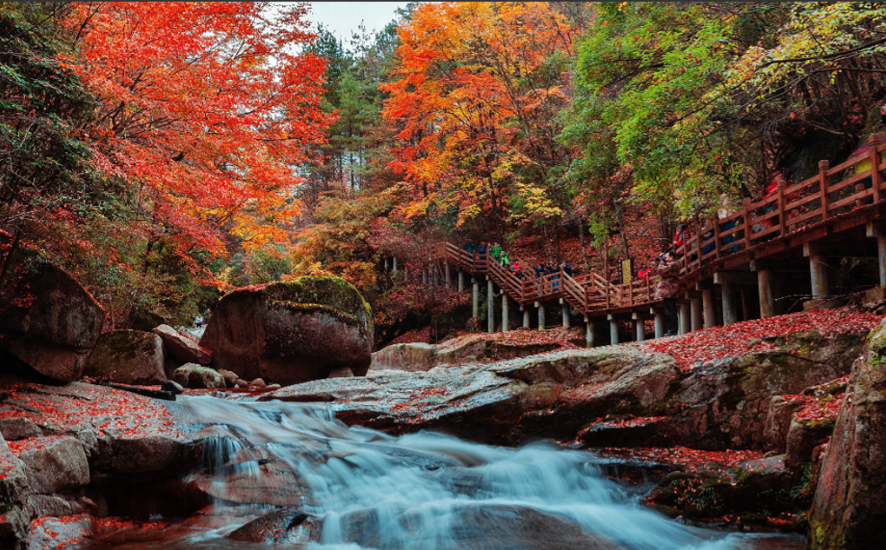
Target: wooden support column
525, 317
424, 276
446, 279
685, 319
659, 323
387, 260
697, 318
877, 229
730, 306
818, 272
541, 315
461, 281
565, 307
766, 289
707, 304
394, 269
640, 329
505, 313
613, 330
589, 333
490, 305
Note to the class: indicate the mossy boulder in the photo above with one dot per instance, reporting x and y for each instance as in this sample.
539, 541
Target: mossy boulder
128, 357
192, 375
291, 332
849, 508
47, 319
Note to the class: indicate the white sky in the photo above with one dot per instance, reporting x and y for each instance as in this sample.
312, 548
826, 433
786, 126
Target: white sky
341, 18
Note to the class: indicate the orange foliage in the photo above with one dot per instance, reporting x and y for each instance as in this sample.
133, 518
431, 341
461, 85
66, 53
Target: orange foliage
475, 101
206, 106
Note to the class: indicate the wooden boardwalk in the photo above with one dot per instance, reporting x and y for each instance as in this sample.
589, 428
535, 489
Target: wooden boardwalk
733, 269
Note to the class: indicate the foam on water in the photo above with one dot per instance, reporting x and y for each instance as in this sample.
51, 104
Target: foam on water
416, 491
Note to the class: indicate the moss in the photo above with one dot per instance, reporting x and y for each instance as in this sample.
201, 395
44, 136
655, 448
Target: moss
128, 344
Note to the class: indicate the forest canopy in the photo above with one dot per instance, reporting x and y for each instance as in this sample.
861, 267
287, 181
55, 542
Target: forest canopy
165, 153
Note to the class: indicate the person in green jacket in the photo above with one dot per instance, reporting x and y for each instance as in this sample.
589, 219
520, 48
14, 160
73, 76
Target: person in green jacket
505, 261
495, 252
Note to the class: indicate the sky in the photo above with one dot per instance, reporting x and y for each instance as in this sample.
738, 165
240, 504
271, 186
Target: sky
341, 18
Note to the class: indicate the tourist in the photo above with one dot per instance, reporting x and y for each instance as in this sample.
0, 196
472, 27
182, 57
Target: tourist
505, 260
567, 268
727, 209
680, 238
517, 270
469, 248
481, 251
495, 252
707, 237
667, 289
555, 279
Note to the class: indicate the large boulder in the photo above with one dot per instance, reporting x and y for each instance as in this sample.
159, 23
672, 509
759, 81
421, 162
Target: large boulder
182, 347
291, 332
47, 319
191, 375
128, 357
849, 509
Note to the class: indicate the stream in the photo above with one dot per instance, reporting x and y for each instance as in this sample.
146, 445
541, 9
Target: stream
425, 491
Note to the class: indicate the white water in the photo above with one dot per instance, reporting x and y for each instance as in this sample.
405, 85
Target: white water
419, 491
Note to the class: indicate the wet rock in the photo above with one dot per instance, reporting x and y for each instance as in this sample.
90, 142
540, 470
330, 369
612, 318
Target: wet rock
172, 386
230, 377
61, 505
192, 375
491, 527
14, 495
754, 492
13, 428
47, 319
283, 332
849, 507
128, 357
410, 357
258, 383
182, 347
49, 533
54, 464
286, 526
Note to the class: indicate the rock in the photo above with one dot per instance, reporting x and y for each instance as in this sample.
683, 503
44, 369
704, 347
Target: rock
13, 428
849, 507
284, 332
182, 347
471, 348
273, 386
286, 526
343, 372
47, 319
258, 383
803, 438
128, 357
14, 496
61, 505
192, 375
240, 383
722, 404
172, 386
230, 377
54, 464
49, 533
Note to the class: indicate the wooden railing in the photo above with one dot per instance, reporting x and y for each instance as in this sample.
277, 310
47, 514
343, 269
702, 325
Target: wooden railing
784, 211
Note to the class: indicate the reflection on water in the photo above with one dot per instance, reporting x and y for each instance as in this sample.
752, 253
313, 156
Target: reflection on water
422, 491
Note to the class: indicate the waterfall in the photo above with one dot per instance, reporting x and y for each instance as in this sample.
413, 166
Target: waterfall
429, 491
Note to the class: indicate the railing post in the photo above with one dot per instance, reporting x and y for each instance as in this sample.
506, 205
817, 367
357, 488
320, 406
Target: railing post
823, 166
717, 238
782, 220
876, 176
746, 216
859, 201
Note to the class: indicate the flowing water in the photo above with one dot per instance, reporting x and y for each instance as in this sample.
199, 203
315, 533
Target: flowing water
423, 491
